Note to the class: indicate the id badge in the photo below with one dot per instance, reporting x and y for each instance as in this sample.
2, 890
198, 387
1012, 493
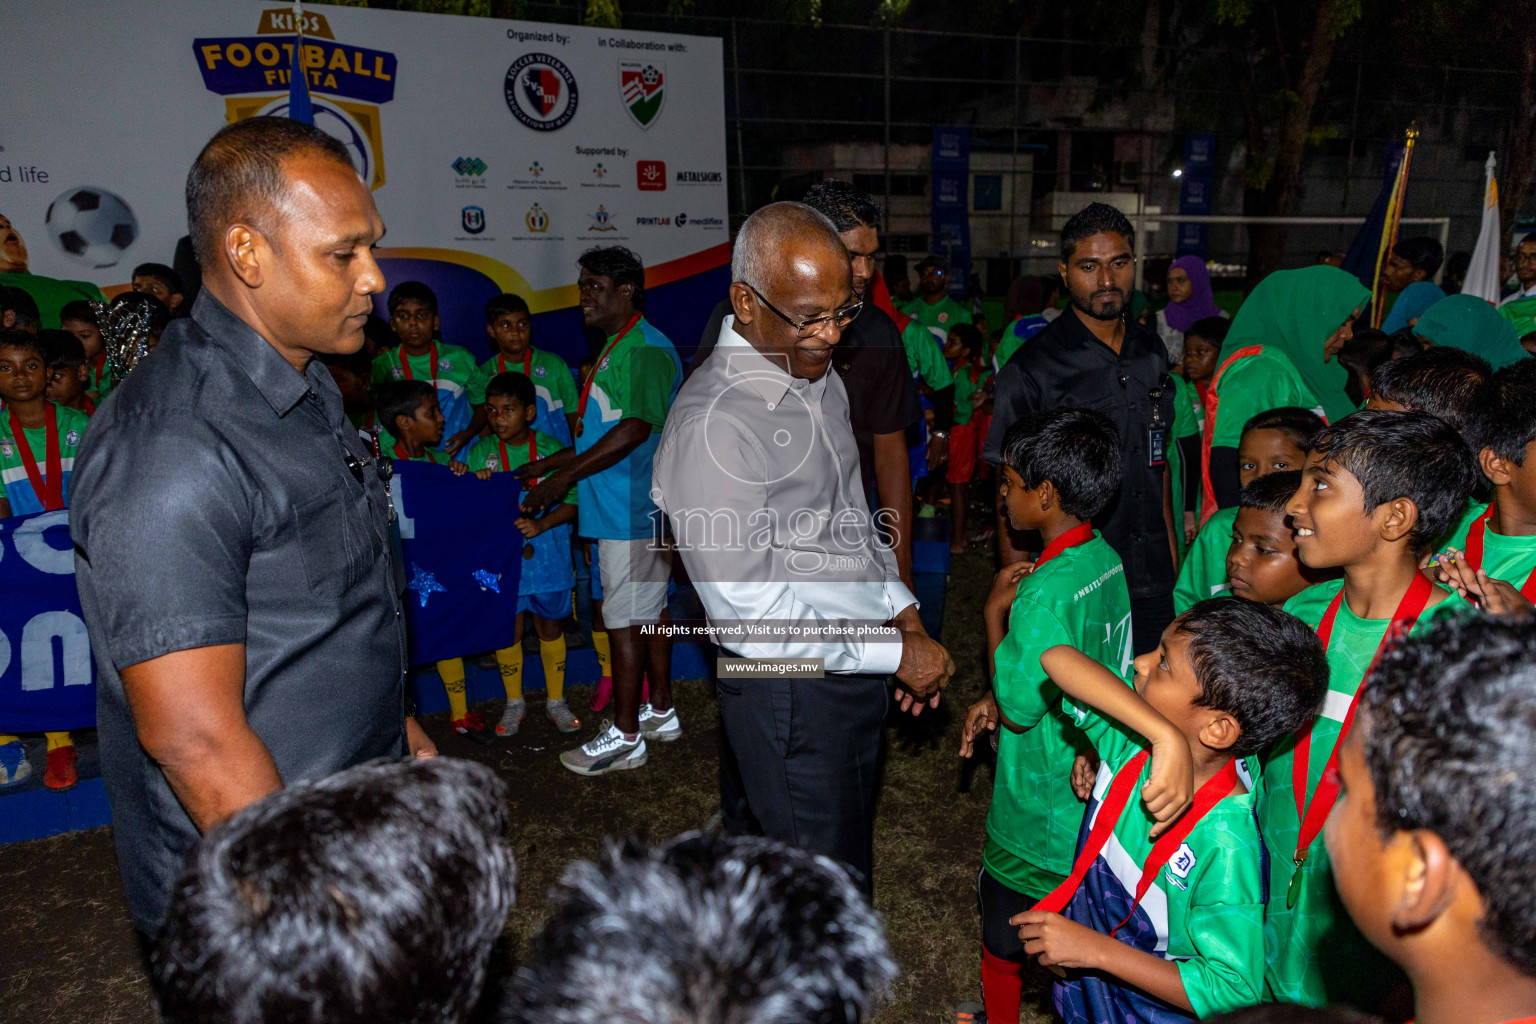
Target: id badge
1157, 446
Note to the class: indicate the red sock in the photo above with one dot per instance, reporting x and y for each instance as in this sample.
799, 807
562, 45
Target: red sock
1000, 989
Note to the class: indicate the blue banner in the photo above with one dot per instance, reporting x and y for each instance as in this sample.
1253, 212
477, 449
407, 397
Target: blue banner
463, 559
1195, 186
950, 167
47, 675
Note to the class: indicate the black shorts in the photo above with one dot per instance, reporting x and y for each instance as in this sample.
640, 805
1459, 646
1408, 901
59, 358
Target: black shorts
998, 903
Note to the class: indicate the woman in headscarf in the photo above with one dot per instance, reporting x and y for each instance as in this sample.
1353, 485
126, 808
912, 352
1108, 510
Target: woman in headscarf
1411, 304
1279, 353
1473, 325
1189, 299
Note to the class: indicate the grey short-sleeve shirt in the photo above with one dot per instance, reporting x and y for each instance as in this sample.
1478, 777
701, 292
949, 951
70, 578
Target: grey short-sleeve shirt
220, 497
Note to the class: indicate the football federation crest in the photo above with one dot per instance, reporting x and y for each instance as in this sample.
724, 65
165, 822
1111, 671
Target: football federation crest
7, 450
602, 220
540, 91
643, 89
474, 219
493, 464
540, 371
536, 219
72, 438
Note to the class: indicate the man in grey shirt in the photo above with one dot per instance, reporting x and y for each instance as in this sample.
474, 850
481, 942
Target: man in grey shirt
231, 530
758, 473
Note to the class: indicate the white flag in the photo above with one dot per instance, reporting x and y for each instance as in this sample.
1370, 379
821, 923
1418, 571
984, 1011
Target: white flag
1483, 274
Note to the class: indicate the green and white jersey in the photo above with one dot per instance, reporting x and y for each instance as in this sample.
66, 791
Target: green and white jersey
938, 317
969, 384
553, 386
486, 453
1316, 956
1204, 572
925, 357
1511, 559
454, 367
13, 468
1078, 598
1204, 910
1253, 384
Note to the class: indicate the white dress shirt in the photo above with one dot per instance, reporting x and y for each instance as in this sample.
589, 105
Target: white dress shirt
1524, 293
758, 473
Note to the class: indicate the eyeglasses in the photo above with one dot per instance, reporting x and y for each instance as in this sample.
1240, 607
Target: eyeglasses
814, 324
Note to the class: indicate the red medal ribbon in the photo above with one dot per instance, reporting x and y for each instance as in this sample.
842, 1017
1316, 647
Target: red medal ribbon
1474, 552
586, 387
533, 455
501, 362
1080, 534
405, 364
1207, 491
1115, 801
1314, 815
50, 491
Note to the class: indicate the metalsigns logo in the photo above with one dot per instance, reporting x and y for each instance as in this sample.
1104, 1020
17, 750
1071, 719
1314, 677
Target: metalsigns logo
536, 219
643, 89
602, 221
473, 219
469, 167
651, 175
347, 83
540, 92
700, 177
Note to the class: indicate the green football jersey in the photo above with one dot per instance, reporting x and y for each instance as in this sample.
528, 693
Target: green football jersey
553, 386
1316, 956
938, 317
1255, 384
17, 485
925, 357
1078, 598
455, 367
1205, 909
969, 384
1204, 572
486, 453
1511, 559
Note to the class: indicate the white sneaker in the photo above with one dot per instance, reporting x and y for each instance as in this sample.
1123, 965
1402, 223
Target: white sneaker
511, 718
606, 752
660, 725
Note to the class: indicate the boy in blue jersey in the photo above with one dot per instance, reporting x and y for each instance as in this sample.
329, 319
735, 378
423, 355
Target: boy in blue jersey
1162, 918
420, 356
38, 441
620, 412
544, 586
509, 325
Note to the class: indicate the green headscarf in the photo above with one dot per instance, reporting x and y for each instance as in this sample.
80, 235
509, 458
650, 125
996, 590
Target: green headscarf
1295, 312
1472, 325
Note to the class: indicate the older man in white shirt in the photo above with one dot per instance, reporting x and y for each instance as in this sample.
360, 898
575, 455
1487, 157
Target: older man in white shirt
758, 473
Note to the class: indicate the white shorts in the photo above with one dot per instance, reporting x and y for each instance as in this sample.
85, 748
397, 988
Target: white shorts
634, 581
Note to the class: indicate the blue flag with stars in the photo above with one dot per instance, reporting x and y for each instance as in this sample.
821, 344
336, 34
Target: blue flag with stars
463, 559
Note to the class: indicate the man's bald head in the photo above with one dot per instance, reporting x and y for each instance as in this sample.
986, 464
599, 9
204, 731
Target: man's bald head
238, 179
776, 233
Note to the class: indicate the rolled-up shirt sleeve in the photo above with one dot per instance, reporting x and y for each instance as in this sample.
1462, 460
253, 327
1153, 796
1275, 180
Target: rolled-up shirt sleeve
722, 527
163, 528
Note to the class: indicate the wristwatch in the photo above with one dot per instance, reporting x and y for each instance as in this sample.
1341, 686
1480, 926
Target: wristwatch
942, 435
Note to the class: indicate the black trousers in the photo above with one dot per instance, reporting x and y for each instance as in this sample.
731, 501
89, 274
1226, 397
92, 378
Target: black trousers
807, 752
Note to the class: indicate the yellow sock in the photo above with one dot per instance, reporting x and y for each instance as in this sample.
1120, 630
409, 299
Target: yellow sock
452, 671
510, 661
9, 737
600, 645
552, 654
58, 739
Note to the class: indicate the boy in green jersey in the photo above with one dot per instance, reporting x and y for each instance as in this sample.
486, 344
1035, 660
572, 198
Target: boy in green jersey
420, 356
79, 318
1161, 919
1273, 442
1377, 488
509, 325
1060, 468
544, 586
68, 375
1490, 557
966, 349
1191, 377
1263, 563
1433, 836
38, 442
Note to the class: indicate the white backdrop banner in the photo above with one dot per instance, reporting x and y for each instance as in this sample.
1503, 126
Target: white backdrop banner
498, 151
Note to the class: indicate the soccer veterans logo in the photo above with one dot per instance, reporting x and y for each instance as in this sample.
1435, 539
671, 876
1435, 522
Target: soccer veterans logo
540, 92
643, 89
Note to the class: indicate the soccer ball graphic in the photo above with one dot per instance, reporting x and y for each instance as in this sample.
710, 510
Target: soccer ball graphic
338, 126
91, 226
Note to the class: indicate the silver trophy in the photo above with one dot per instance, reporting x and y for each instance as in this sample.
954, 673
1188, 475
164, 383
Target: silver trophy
124, 330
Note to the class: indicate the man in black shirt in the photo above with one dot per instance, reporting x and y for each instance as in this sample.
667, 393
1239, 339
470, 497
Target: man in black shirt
882, 397
1094, 356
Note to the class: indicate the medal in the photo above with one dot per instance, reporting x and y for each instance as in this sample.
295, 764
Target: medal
586, 387
1293, 891
528, 550
49, 490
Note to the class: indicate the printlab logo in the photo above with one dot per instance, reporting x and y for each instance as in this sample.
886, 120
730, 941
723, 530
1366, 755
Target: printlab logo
651, 175
540, 92
602, 221
473, 218
536, 219
469, 167
643, 89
